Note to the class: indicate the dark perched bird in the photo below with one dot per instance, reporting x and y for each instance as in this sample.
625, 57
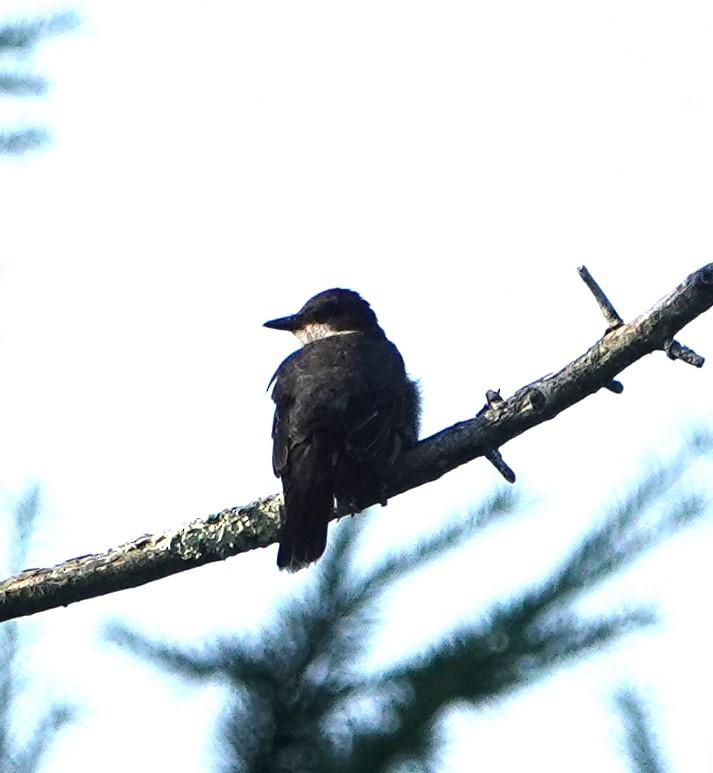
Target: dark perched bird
345, 409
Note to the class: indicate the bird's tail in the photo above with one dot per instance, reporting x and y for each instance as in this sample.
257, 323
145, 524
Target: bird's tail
309, 499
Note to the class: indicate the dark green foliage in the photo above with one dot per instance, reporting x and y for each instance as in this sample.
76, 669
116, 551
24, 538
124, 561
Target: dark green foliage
22, 37
642, 747
18, 41
22, 85
22, 752
17, 142
302, 702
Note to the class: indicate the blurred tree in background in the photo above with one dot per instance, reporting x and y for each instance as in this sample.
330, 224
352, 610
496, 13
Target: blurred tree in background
18, 79
302, 701
641, 744
22, 746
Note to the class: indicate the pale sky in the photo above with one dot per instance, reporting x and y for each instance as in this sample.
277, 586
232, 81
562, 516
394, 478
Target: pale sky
215, 164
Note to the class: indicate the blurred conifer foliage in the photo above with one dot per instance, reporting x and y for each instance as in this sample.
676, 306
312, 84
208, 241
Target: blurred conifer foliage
642, 746
23, 744
303, 701
18, 76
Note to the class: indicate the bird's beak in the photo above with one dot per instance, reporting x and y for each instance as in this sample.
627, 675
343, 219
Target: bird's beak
290, 323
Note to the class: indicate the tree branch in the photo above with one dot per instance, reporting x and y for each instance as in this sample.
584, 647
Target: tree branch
239, 529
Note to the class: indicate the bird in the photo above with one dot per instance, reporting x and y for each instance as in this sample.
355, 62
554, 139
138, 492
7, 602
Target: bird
345, 409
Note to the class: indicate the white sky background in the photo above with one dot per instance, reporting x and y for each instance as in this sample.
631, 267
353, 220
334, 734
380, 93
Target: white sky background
214, 165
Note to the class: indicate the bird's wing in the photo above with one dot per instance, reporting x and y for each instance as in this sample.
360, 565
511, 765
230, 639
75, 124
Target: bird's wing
280, 442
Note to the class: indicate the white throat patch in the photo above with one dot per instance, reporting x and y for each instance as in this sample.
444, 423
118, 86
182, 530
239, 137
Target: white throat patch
314, 331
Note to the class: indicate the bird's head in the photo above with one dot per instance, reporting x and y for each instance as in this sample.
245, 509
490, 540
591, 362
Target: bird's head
332, 312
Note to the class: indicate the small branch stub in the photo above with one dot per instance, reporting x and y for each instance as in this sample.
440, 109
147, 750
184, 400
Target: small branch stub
496, 459
493, 401
492, 398
610, 314
677, 351
615, 386
608, 310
